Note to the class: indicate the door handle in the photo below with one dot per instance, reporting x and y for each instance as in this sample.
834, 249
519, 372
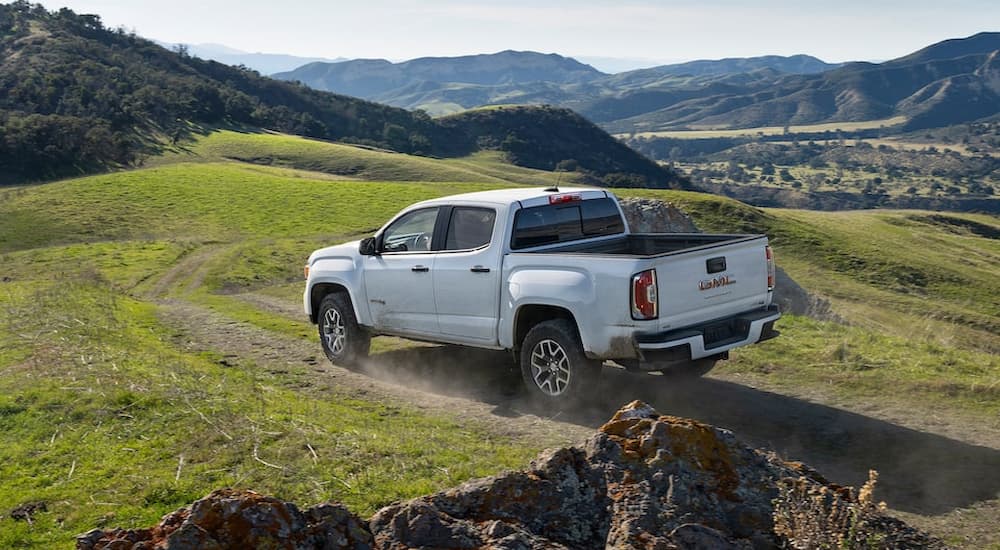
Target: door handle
420, 268
480, 269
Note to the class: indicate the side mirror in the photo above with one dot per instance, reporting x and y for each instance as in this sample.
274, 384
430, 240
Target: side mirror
367, 247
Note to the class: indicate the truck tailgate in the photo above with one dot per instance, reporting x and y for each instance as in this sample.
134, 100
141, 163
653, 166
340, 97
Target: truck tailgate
710, 283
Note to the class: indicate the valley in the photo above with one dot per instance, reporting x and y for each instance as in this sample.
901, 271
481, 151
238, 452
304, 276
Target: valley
952, 168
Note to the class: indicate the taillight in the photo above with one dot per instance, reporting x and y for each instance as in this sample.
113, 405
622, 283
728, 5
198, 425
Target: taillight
305, 271
770, 268
644, 300
564, 198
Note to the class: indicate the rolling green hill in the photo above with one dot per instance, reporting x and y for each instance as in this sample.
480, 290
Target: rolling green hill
570, 141
348, 161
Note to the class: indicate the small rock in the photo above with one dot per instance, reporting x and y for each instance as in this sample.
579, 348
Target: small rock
26, 512
655, 216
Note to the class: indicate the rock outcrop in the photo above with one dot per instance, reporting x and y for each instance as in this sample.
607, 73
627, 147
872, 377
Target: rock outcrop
644, 480
792, 298
656, 216
228, 519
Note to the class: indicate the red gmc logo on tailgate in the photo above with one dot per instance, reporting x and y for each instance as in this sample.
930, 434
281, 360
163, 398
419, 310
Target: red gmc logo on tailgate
718, 282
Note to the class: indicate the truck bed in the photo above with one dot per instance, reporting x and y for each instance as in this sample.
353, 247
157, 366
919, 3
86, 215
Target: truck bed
648, 245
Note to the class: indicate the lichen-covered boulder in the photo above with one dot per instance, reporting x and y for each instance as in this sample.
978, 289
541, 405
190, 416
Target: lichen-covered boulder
644, 480
240, 519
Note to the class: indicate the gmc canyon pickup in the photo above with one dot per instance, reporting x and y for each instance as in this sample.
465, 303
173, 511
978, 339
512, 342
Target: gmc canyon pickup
555, 277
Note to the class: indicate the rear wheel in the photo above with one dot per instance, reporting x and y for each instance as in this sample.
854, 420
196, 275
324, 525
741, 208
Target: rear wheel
553, 364
344, 341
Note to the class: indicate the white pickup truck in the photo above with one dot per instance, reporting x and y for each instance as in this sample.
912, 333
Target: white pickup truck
552, 275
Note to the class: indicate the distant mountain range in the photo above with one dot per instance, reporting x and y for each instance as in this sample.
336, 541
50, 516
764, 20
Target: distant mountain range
375, 78
949, 82
264, 63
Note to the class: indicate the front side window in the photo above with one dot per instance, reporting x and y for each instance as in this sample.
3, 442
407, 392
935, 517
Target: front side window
413, 232
470, 228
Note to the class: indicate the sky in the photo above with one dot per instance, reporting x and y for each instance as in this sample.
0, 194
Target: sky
646, 31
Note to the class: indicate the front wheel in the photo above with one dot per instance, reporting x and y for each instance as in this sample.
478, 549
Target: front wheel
344, 341
553, 365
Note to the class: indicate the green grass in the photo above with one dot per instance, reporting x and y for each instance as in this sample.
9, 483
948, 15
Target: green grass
922, 266
104, 418
857, 364
351, 161
126, 265
98, 401
201, 201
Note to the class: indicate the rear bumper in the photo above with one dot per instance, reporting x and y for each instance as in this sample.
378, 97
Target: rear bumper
709, 339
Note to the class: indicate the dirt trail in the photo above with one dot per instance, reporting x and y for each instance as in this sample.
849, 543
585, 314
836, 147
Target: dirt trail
937, 469
382, 378
272, 304
187, 266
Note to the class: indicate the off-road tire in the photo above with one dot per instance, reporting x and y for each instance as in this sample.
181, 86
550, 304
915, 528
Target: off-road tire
554, 367
344, 341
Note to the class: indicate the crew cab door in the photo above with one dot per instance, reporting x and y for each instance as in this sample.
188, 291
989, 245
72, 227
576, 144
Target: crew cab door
399, 278
467, 275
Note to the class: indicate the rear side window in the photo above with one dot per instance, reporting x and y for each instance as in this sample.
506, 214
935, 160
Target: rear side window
601, 217
469, 228
556, 223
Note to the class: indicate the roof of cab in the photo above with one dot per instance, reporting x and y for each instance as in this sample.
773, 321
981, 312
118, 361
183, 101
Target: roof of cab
508, 196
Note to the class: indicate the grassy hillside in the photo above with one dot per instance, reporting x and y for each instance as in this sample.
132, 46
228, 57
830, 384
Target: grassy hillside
569, 142
204, 201
79, 96
353, 161
113, 422
925, 276
917, 290
111, 418
86, 358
